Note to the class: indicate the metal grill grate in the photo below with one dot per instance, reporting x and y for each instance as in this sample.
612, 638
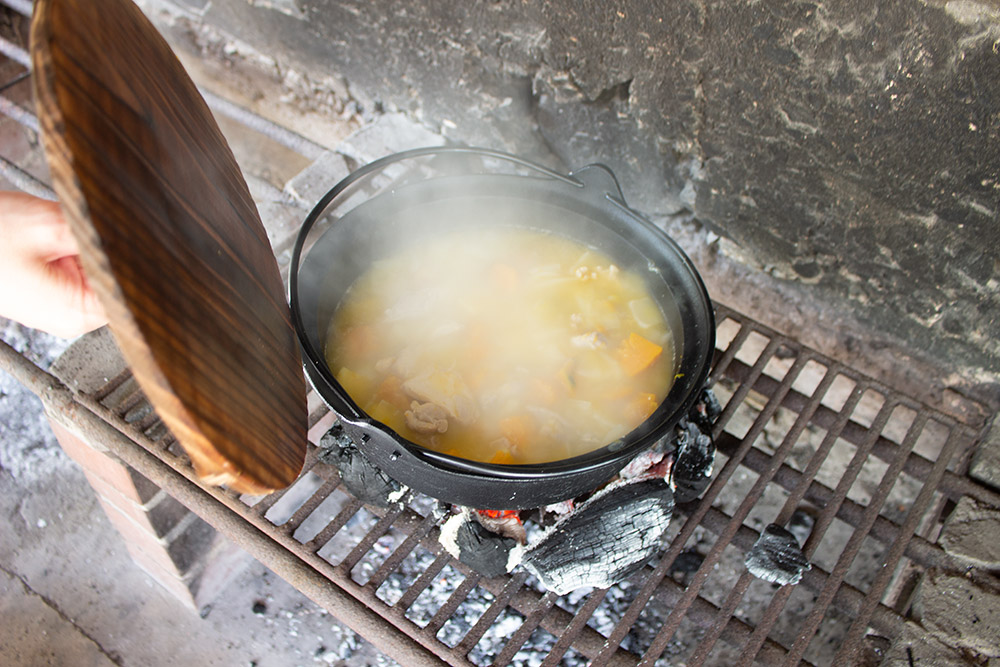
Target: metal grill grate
873, 468
800, 436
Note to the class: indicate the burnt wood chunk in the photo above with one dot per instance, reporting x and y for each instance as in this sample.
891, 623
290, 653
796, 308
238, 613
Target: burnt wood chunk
777, 557
484, 551
706, 410
363, 479
692, 471
607, 539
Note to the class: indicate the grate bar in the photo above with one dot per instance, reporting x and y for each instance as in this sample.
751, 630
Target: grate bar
634, 609
708, 642
423, 581
848, 598
531, 622
25, 181
130, 402
847, 556
829, 511
741, 392
112, 385
287, 138
15, 52
736, 521
453, 603
573, 629
500, 602
589, 642
403, 550
913, 517
309, 506
316, 415
20, 6
722, 363
261, 507
954, 485
372, 536
885, 531
703, 612
19, 114
332, 528
726, 611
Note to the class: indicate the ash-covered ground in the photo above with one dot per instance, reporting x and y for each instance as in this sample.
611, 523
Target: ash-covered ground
70, 594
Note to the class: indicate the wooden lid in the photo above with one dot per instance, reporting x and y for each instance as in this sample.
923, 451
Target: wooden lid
171, 241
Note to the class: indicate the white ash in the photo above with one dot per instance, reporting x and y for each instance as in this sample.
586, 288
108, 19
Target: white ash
515, 557
565, 507
641, 463
398, 495
449, 531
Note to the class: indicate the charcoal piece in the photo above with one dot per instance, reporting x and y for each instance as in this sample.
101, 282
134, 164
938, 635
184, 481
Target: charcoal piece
777, 557
695, 459
362, 478
335, 437
705, 410
800, 524
605, 540
484, 551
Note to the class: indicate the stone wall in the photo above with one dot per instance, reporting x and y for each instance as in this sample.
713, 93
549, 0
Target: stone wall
851, 147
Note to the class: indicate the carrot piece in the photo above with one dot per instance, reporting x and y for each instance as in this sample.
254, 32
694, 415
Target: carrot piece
385, 413
637, 354
505, 277
640, 407
391, 391
517, 429
542, 392
358, 342
503, 457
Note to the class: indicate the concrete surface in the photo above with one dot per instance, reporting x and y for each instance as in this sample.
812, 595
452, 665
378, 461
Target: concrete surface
70, 594
847, 148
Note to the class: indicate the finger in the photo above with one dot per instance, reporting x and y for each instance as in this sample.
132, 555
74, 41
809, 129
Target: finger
81, 311
61, 243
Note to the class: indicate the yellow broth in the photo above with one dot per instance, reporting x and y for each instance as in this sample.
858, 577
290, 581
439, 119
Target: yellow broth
506, 346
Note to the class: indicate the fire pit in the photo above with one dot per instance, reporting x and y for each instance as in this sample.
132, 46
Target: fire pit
858, 470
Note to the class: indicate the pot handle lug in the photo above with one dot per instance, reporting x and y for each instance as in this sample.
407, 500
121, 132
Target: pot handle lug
599, 179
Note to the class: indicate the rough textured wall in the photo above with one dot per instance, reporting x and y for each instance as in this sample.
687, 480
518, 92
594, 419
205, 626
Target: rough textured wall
853, 146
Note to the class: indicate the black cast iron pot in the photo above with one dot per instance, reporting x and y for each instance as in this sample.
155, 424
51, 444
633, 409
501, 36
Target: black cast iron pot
403, 198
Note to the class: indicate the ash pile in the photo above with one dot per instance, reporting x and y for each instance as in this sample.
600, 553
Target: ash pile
593, 541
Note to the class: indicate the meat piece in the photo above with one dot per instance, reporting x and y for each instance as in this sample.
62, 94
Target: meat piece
383, 366
426, 418
589, 341
447, 390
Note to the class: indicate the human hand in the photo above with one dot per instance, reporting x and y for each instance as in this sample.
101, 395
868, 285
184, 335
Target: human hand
41, 283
